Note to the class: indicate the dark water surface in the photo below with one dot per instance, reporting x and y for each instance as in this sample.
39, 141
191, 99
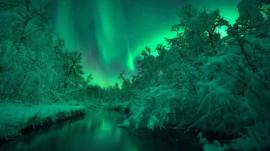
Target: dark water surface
98, 131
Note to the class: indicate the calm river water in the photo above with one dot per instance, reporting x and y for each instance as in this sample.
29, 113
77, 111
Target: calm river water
98, 131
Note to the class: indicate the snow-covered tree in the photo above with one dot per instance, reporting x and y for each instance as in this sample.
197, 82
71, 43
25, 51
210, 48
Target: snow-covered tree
32, 59
198, 31
207, 83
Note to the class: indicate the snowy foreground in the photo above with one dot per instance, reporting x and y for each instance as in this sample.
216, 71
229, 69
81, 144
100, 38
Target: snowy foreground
17, 117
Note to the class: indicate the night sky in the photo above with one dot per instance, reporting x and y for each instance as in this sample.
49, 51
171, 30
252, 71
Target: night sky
111, 33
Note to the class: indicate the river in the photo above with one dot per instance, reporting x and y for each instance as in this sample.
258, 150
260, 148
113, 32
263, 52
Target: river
98, 131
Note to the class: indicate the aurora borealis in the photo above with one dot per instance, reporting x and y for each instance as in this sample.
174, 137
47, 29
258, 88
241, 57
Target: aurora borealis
111, 33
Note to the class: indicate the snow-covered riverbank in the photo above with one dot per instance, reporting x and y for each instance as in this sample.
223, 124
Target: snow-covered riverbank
17, 117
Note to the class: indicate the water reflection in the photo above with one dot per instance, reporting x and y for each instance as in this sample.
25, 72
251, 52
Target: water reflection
98, 131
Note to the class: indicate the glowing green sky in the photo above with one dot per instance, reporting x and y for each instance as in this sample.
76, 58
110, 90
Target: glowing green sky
111, 33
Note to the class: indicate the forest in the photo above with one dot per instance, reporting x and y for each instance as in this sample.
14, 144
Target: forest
213, 86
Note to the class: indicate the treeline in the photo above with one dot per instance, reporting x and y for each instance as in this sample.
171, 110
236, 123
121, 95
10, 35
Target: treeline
35, 65
204, 83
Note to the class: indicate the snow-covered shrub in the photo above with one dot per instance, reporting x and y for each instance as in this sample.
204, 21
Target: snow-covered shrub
256, 138
152, 107
224, 87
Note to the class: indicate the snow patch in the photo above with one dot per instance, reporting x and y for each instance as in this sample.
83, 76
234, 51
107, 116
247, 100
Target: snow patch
16, 117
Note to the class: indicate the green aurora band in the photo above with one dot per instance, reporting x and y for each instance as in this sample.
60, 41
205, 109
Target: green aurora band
110, 34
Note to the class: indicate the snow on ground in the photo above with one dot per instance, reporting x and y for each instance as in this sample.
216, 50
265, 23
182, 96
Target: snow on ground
15, 117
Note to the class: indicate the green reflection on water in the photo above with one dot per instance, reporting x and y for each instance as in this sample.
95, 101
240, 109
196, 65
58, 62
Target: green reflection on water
98, 131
